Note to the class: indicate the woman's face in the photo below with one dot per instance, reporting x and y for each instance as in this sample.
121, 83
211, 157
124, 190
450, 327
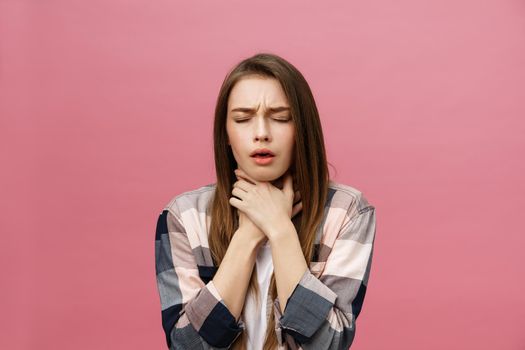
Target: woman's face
259, 117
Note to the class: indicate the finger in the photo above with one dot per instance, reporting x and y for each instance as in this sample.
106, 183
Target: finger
242, 173
235, 202
297, 196
243, 184
237, 192
297, 208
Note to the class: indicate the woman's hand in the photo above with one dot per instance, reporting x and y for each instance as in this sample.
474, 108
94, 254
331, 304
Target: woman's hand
250, 230
267, 206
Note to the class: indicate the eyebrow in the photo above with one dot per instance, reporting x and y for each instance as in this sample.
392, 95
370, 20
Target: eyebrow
252, 110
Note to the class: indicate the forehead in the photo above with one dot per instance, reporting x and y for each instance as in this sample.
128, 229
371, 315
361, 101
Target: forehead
254, 90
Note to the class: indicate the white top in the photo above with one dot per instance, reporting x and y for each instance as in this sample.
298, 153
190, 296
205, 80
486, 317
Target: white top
255, 319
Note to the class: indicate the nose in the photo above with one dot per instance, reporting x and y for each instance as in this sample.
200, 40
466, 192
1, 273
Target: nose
261, 130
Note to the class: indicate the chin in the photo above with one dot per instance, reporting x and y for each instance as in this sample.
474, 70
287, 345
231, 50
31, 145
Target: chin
266, 174
267, 178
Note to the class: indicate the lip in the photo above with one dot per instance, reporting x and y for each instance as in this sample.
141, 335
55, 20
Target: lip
263, 160
262, 150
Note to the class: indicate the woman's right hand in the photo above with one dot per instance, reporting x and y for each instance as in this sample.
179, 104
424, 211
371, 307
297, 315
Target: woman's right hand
249, 228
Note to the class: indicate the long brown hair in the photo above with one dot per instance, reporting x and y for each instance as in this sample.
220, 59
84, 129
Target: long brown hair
309, 168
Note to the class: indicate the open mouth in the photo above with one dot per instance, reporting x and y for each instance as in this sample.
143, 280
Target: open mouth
263, 155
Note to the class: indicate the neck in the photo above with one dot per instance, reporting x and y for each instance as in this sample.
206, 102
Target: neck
278, 182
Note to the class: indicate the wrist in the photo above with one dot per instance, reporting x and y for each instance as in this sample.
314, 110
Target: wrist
280, 229
246, 241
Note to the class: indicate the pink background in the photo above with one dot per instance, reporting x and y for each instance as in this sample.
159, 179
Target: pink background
106, 113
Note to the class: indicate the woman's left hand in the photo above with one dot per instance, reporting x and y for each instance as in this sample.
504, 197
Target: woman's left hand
266, 205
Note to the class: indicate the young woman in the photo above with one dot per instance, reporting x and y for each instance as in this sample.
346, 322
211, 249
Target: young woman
274, 255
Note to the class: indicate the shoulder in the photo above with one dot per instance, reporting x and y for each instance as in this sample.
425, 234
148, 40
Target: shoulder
343, 204
347, 199
195, 200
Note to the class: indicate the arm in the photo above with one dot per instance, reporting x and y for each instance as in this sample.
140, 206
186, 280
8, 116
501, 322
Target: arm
233, 276
321, 312
197, 314
288, 260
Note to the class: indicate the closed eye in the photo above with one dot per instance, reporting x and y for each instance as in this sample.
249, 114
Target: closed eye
279, 120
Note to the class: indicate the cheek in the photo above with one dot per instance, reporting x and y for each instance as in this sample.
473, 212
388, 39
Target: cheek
231, 133
287, 146
237, 141
290, 137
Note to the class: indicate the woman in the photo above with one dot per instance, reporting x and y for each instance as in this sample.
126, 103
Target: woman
274, 255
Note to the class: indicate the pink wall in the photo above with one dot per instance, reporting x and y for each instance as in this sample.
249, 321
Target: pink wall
101, 102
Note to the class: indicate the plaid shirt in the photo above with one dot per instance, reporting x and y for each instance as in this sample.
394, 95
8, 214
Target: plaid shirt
321, 312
